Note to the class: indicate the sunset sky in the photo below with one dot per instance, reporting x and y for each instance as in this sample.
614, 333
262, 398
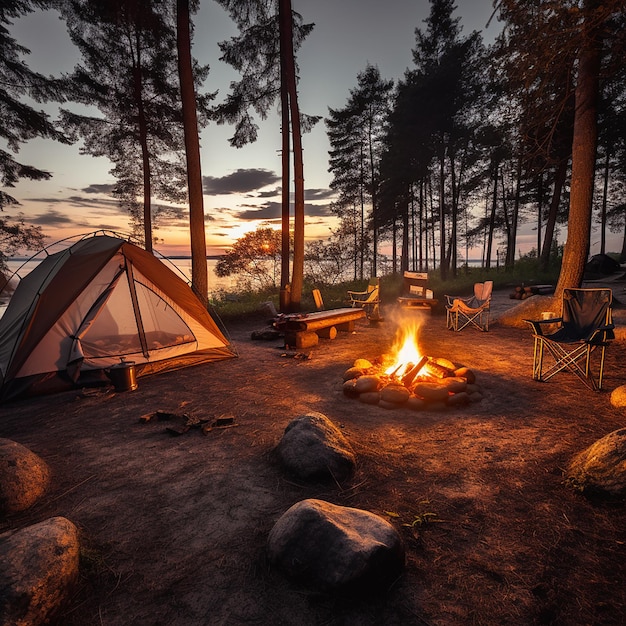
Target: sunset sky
242, 186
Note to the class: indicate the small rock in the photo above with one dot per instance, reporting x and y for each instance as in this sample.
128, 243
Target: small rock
454, 384
618, 397
367, 383
431, 392
459, 399
349, 388
475, 396
416, 404
384, 404
370, 397
24, 477
362, 364
395, 394
353, 372
465, 372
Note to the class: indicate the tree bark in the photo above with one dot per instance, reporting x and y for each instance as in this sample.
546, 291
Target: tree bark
285, 294
143, 142
199, 272
443, 268
583, 156
560, 176
286, 38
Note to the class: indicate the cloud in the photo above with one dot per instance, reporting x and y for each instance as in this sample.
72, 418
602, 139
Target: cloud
269, 211
52, 218
270, 193
273, 210
318, 194
240, 181
95, 188
79, 201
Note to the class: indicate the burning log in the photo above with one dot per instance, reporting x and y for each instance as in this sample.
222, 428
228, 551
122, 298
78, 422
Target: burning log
413, 372
436, 370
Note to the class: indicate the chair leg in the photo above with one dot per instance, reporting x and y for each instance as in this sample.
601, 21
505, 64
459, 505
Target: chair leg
537, 358
567, 360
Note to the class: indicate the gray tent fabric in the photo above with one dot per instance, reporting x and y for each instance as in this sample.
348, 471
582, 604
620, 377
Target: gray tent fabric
93, 305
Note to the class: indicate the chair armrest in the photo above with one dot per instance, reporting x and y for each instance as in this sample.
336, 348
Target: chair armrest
602, 334
537, 324
358, 293
450, 299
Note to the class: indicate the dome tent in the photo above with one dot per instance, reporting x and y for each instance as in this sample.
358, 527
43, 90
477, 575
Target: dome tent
97, 303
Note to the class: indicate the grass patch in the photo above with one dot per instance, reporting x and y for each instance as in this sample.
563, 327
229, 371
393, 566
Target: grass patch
243, 304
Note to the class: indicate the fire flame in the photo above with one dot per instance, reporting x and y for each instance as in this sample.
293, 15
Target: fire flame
407, 354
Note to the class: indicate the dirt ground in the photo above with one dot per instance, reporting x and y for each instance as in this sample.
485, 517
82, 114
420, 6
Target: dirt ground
174, 527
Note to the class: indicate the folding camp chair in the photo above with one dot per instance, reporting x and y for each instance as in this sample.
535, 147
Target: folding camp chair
471, 311
368, 299
586, 323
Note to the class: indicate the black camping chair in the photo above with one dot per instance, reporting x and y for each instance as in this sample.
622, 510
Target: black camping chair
586, 323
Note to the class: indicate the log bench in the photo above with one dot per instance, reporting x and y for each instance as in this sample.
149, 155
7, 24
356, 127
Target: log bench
304, 331
425, 304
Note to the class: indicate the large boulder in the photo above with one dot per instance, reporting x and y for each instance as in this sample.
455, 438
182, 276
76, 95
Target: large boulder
24, 477
38, 570
601, 468
312, 447
529, 309
334, 547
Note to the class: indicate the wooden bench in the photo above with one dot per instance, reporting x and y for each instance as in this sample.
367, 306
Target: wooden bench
304, 331
417, 303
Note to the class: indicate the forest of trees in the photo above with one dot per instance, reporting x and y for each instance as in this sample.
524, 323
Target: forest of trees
471, 143
476, 140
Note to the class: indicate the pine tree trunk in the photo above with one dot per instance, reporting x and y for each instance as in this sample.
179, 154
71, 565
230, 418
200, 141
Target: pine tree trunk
492, 221
443, 269
143, 143
559, 181
583, 158
285, 295
286, 39
199, 272
605, 194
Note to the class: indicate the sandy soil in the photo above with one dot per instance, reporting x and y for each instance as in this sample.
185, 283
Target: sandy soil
174, 526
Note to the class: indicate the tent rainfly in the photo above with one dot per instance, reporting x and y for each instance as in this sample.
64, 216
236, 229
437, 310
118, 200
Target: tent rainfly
96, 304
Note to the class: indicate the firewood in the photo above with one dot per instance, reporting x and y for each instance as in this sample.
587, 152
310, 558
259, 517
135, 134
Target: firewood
413, 372
436, 370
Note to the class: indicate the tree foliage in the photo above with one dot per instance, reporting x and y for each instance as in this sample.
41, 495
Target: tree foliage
254, 258
21, 122
129, 73
356, 135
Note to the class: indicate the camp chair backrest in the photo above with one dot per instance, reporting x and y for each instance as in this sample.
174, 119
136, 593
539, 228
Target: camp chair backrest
482, 291
585, 310
373, 284
415, 283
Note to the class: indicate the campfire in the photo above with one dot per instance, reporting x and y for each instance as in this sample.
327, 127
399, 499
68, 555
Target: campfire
408, 378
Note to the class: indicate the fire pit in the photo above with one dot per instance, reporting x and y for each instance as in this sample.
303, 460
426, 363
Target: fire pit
407, 378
